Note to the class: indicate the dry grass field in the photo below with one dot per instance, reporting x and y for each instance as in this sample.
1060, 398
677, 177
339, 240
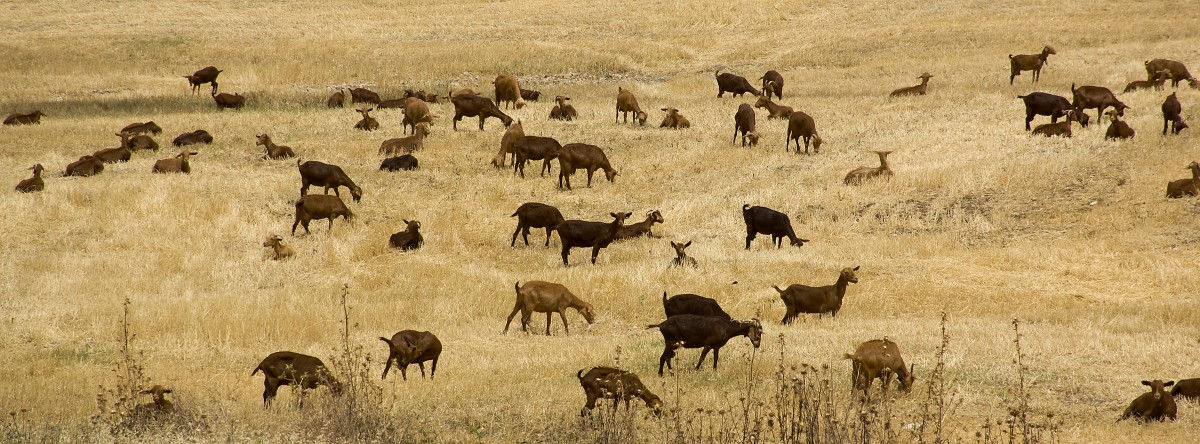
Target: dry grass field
982, 221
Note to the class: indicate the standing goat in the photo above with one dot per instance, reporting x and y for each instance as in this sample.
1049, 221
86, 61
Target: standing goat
409, 347
611, 383
288, 368
733, 83
879, 359
320, 206
627, 103
763, 220
1029, 62
583, 234
820, 300
204, 75
703, 332
548, 298
574, 156
535, 215
32, 118
802, 125
772, 83
1172, 112
743, 120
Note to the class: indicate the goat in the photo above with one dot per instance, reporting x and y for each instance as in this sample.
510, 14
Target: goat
530, 95
288, 368
1044, 104
860, 174
471, 105
177, 164
692, 304
763, 220
1156, 83
774, 111
118, 154
1177, 70
409, 347
529, 148
206, 74
328, 176
535, 215
1186, 187
583, 234
641, 228
416, 112
1173, 114
32, 118
336, 100
363, 95
409, 239
574, 156
508, 90
406, 144
1187, 389
627, 103
1155, 405
703, 332
142, 142
1099, 97
918, 90
367, 123
84, 167
772, 83
231, 101
1029, 62
611, 383
548, 298
1118, 129
320, 206
674, 120
819, 300
158, 406
396, 103
1062, 129
404, 162
802, 125
193, 138
563, 110
734, 84
681, 257
879, 359
507, 143
281, 251
273, 151
142, 128
32, 184
743, 120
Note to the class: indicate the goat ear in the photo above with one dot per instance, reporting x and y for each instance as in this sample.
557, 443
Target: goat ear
167, 391
675, 245
664, 109
1168, 383
614, 215
1145, 382
628, 214
405, 221
857, 267
688, 244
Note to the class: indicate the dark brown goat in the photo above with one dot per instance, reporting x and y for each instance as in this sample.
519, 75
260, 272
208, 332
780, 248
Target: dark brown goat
1188, 389
1029, 62
363, 95
416, 112
142, 142
563, 110
1099, 97
409, 239
692, 304
288, 368
548, 298
273, 151
1045, 104
32, 118
535, 215
84, 167
328, 176
409, 347
206, 74
177, 164
1179, 72
800, 298
231, 101
642, 228
193, 138
743, 120
1173, 114
470, 105
507, 144
320, 206
508, 91
404, 162
529, 148
1155, 405
618, 385
1156, 83
367, 123
733, 83
763, 220
674, 119
772, 83
703, 332
142, 128
530, 95
574, 156
627, 103
802, 125
1118, 129
1186, 187
681, 257
32, 184
774, 111
118, 154
336, 100
583, 234
918, 90
396, 103
879, 359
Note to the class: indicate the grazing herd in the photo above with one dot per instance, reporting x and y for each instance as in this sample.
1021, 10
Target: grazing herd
692, 321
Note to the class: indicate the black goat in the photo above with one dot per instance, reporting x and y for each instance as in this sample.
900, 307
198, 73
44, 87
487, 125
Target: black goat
703, 332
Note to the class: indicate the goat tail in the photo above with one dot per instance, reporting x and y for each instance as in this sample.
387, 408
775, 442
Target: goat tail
388, 341
514, 212
256, 369
717, 73
1010, 56
579, 374
847, 356
745, 207
777, 289
664, 299
652, 326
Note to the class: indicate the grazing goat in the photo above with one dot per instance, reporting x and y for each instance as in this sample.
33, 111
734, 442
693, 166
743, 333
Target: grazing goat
642, 228
1062, 129
1118, 129
1099, 97
802, 125
84, 167
177, 164
320, 206
34, 117
409, 347
273, 151
1187, 388
574, 156
288, 368
1044, 104
548, 298
32, 184
142, 128
535, 215
507, 144
1029, 62
416, 112
703, 332
563, 110
193, 138
206, 74
743, 120
674, 120
118, 154
367, 123
157, 407
529, 148
1155, 405
530, 95
583, 234
281, 251
763, 220
918, 90
471, 105
231, 101
1173, 114
627, 103
860, 174
508, 91
406, 144
1156, 83
819, 300
681, 257
774, 111
142, 142
404, 162
733, 83
363, 95
1177, 70
328, 176
772, 83
692, 304
409, 239
618, 385
1186, 187
879, 359
336, 100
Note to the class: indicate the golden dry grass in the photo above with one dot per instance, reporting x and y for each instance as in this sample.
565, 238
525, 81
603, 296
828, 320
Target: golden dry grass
981, 220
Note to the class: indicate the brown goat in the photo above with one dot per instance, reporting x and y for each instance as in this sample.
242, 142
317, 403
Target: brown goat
584, 234
802, 125
193, 138
918, 90
772, 83
118, 154
1029, 62
1155, 405
231, 101
471, 105
743, 120
156, 408
1118, 129
409, 239
32, 184
508, 91
204, 75
281, 251
320, 206
820, 300
416, 112
574, 156
84, 167
774, 111
1062, 129
643, 228
879, 359
1179, 72
733, 83
273, 151
618, 385
404, 145
367, 123
177, 164
529, 148
32, 118
548, 298
363, 95
681, 257
1156, 83
1186, 187
674, 120
563, 110
627, 103
336, 100
409, 347
860, 174
535, 215
1099, 97
288, 368
142, 128
142, 142
1173, 114
507, 144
